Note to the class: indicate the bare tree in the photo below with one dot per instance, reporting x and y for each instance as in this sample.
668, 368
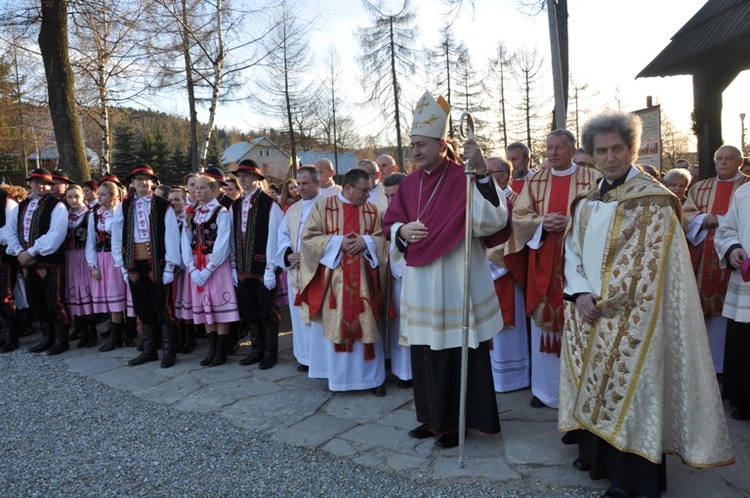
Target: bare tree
494, 85
388, 49
285, 69
335, 124
529, 77
53, 43
444, 55
210, 38
108, 56
674, 142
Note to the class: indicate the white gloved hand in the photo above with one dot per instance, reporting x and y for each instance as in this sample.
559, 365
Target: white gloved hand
197, 277
167, 277
205, 275
235, 278
125, 275
269, 279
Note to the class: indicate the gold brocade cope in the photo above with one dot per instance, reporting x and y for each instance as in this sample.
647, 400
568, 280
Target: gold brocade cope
641, 376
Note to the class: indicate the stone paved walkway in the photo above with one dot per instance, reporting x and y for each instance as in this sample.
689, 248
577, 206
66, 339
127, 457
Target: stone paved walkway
372, 431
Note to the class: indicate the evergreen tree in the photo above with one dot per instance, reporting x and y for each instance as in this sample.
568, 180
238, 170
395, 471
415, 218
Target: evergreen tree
126, 151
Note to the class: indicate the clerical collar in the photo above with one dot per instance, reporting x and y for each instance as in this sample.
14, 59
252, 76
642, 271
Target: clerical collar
438, 169
343, 199
312, 200
606, 186
565, 172
734, 178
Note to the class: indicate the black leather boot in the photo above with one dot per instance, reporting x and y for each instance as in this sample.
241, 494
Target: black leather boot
93, 337
190, 342
114, 340
179, 340
130, 331
212, 340
47, 340
271, 345
61, 340
220, 357
80, 331
233, 339
256, 336
9, 335
168, 355
149, 346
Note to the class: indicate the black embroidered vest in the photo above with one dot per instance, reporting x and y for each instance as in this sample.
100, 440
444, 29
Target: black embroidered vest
40, 225
205, 233
250, 247
103, 237
157, 229
77, 236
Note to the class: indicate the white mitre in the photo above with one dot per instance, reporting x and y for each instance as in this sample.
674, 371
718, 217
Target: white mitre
431, 117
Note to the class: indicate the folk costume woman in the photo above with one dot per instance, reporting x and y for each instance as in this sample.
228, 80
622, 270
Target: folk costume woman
78, 280
108, 289
206, 247
181, 286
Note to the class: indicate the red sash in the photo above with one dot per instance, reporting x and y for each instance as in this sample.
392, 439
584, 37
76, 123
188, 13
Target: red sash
714, 281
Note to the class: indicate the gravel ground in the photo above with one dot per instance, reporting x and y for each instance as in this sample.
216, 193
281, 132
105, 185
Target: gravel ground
66, 435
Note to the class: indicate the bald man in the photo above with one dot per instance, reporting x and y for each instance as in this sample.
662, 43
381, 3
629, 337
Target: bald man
377, 191
327, 186
387, 166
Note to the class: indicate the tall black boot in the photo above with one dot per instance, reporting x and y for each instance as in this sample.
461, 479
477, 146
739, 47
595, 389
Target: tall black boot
10, 335
114, 340
212, 340
271, 345
233, 339
149, 346
179, 341
190, 340
61, 340
25, 322
168, 354
47, 340
130, 331
93, 337
221, 352
80, 331
256, 336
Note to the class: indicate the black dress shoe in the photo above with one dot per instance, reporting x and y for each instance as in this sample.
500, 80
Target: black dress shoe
378, 391
404, 384
447, 440
421, 432
579, 464
303, 368
741, 414
615, 492
537, 403
570, 437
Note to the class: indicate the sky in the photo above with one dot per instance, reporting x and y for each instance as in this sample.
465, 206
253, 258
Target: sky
610, 42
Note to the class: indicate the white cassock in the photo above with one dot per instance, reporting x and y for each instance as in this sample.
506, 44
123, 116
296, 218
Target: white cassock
509, 356
289, 236
399, 354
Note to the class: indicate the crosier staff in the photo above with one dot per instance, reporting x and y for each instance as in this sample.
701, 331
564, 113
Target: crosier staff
466, 131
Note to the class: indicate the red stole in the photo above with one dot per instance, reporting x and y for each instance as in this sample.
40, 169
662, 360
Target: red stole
517, 185
713, 280
351, 264
505, 288
545, 269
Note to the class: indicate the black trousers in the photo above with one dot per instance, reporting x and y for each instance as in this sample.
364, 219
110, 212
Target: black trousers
436, 377
736, 382
627, 471
45, 291
152, 302
256, 303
